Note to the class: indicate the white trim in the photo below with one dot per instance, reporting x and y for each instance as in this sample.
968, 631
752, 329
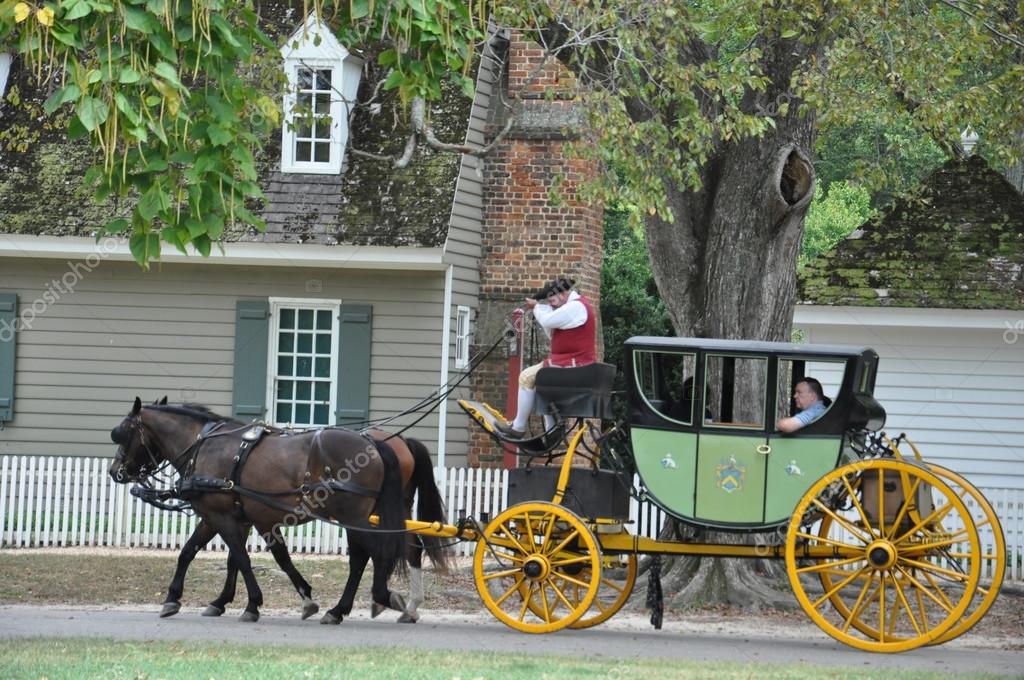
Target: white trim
234, 253
276, 304
462, 342
5, 69
903, 316
446, 329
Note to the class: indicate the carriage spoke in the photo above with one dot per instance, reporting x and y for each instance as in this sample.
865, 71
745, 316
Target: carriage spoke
902, 601
842, 584
938, 589
841, 520
565, 541
936, 515
917, 584
502, 574
921, 610
856, 503
544, 602
859, 605
881, 503
570, 560
515, 587
928, 566
510, 535
570, 579
526, 601
828, 541
905, 507
881, 593
528, 523
563, 598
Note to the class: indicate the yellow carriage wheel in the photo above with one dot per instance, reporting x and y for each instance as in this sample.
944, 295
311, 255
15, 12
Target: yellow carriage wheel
993, 556
618, 576
537, 554
890, 584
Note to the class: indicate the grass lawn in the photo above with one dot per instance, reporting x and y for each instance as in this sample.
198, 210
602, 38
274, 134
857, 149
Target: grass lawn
78, 658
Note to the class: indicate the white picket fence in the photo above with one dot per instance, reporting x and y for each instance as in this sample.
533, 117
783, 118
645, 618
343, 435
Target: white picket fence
52, 501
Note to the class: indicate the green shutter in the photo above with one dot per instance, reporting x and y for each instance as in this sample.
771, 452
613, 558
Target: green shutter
354, 364
252, 331
8, 337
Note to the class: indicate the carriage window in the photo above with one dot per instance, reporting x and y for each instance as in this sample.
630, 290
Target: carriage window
302, 365
791, 371
665, 380
734, 391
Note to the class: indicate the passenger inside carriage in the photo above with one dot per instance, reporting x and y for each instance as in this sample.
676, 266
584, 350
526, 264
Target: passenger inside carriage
811, 404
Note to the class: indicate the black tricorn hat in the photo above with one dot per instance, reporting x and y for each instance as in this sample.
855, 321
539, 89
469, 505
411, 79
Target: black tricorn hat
559, 285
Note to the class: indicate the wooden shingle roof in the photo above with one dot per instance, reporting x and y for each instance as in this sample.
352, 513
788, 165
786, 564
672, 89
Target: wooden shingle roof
957, 242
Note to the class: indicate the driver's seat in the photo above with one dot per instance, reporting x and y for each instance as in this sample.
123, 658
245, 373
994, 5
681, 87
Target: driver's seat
577, 392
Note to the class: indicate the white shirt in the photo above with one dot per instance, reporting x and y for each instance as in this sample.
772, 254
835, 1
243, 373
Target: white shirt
570, 315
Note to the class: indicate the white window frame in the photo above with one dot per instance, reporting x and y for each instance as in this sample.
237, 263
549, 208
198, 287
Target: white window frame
5, 70
314, 47
463, 334
276, 305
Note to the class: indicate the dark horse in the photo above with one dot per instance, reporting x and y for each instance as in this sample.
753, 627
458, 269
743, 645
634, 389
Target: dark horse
289, 478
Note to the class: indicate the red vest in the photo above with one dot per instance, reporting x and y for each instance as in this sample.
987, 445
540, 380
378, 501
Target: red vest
575, 346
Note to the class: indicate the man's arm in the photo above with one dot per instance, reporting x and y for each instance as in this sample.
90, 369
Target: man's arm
570, 315
789, 424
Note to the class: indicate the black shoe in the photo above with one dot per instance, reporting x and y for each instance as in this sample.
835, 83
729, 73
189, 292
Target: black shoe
507, 430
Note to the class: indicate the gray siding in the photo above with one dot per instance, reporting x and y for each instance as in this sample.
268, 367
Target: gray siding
958, 393
123, 332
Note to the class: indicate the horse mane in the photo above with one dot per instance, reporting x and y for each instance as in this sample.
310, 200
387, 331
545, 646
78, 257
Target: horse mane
197, 411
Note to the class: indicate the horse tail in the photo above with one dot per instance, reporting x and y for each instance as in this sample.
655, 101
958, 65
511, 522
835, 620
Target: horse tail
430, 507
391, 510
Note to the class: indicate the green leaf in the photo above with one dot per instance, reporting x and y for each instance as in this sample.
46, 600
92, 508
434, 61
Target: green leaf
139, 20
61, 97
118, 226
167, 72
154, 201
214, 224
789, 33
91, 113
202, 244
360, 8
76, 9
128, 75
394, 79
218, 135
144, 247
125, 107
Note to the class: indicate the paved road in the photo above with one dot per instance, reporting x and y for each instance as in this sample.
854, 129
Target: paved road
626, 640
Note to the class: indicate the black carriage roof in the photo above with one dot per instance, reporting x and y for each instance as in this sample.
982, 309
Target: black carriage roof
748, 346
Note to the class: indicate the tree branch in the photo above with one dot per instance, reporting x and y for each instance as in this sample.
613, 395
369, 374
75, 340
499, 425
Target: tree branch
958, 6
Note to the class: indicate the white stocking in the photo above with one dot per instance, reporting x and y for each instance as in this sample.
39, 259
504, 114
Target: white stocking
524, 408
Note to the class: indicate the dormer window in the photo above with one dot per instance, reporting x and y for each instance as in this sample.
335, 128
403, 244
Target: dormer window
323, 78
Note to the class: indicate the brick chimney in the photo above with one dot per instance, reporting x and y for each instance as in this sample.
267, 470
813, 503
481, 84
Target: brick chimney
535, 225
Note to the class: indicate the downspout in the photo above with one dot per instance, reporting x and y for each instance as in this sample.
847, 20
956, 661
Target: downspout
442, 416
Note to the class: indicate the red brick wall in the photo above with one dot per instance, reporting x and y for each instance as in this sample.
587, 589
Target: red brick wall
535, 226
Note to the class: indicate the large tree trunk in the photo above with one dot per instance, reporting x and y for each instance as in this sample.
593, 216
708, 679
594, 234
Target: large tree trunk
726, 268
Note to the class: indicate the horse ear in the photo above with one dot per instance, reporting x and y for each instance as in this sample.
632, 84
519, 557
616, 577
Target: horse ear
137, 406
163, 402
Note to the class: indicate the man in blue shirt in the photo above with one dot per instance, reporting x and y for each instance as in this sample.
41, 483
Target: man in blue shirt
811, 402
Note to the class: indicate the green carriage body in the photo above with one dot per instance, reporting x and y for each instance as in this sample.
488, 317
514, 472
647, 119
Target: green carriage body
702, 421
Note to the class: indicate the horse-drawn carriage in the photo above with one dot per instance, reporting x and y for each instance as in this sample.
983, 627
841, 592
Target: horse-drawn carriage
882, 550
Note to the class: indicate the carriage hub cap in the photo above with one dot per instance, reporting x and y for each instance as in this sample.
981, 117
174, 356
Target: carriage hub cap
536, 568
881, 554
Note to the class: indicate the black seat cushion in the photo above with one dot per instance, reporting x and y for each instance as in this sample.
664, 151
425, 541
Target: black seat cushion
579, 392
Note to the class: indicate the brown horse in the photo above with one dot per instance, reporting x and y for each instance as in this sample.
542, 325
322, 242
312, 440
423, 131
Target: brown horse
417, 478
237, 477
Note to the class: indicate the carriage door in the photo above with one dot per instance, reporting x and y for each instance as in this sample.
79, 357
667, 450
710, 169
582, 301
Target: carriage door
731, 446
796, 461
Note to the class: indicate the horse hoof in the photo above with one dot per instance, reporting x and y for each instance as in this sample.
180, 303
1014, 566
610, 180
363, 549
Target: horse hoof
309, 608
330, 619
397, 602
408, 618
376, 610
213, 610
249, 617
170, 609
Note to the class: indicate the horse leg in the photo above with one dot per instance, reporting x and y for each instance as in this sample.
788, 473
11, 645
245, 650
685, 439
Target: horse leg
275, 541
414, 554
227, 593
382, 597
357, 559
235, 538
202, 535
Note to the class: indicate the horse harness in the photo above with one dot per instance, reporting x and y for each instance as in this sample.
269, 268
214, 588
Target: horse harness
191, 485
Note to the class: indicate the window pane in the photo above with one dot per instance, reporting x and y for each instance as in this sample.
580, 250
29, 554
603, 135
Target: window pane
666, 380
306, 319
284, 366
323, 79
323, 320
322, 391
735, 390
287, 318
305, 343
323, 367
323, 343
304, 127
303, 367
323, 108
302, 414
303, 104
284, 413
305, 78
303, 390
284, 389
323, 152
320, 415
303, 151
286, 342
